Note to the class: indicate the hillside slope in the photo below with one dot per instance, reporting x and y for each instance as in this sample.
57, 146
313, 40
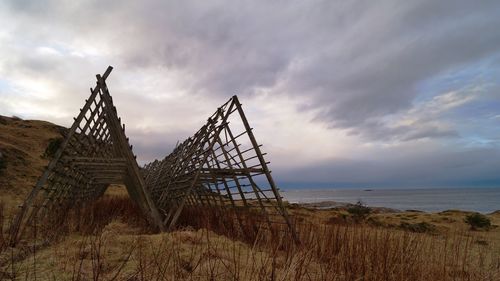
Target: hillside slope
22, 145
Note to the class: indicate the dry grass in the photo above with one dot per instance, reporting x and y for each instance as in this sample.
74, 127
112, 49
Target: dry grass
109, 240
22, 143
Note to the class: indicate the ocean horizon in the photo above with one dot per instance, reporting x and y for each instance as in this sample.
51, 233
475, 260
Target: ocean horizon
477, 199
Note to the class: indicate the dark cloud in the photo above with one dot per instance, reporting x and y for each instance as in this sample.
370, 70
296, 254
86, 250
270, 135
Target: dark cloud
442, 167
354, 60
379, 72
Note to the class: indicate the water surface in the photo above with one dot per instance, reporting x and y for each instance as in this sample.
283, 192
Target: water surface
484, 200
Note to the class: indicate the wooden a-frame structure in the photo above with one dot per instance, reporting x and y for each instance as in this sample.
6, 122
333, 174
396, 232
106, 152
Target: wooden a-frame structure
219, 166
94, 154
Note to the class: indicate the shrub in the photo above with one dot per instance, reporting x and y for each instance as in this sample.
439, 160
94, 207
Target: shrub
52, 148
478, 221
359, 211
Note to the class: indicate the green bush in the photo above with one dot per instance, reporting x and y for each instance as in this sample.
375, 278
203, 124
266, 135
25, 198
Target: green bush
359, 211
52, 148
478, 221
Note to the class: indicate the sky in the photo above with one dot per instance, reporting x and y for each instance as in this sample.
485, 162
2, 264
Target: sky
340, 93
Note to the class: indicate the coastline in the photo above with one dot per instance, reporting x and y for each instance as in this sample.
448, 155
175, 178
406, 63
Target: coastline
482, 200
335, 205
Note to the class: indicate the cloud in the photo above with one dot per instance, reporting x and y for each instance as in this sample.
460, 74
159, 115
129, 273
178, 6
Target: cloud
321, 80
442, 167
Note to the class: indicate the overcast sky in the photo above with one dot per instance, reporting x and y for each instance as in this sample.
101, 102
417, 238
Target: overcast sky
341, 93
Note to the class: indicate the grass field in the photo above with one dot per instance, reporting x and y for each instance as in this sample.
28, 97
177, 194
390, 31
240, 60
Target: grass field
111, 241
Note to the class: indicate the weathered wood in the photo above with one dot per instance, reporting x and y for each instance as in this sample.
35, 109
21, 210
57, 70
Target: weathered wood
263, 164
210, 169
93, 154
200, 169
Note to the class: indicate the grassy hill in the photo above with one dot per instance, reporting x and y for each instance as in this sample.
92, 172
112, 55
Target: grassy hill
110, 240
22, 145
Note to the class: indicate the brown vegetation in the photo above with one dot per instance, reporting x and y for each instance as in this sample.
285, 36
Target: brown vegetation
111, 240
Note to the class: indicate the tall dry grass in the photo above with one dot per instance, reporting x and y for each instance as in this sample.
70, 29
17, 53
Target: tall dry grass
97, 243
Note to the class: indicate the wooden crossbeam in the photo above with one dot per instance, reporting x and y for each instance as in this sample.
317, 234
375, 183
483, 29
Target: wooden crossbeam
95, 159
102, 164
231, 172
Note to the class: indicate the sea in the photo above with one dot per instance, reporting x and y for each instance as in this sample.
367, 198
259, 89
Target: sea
483, 200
